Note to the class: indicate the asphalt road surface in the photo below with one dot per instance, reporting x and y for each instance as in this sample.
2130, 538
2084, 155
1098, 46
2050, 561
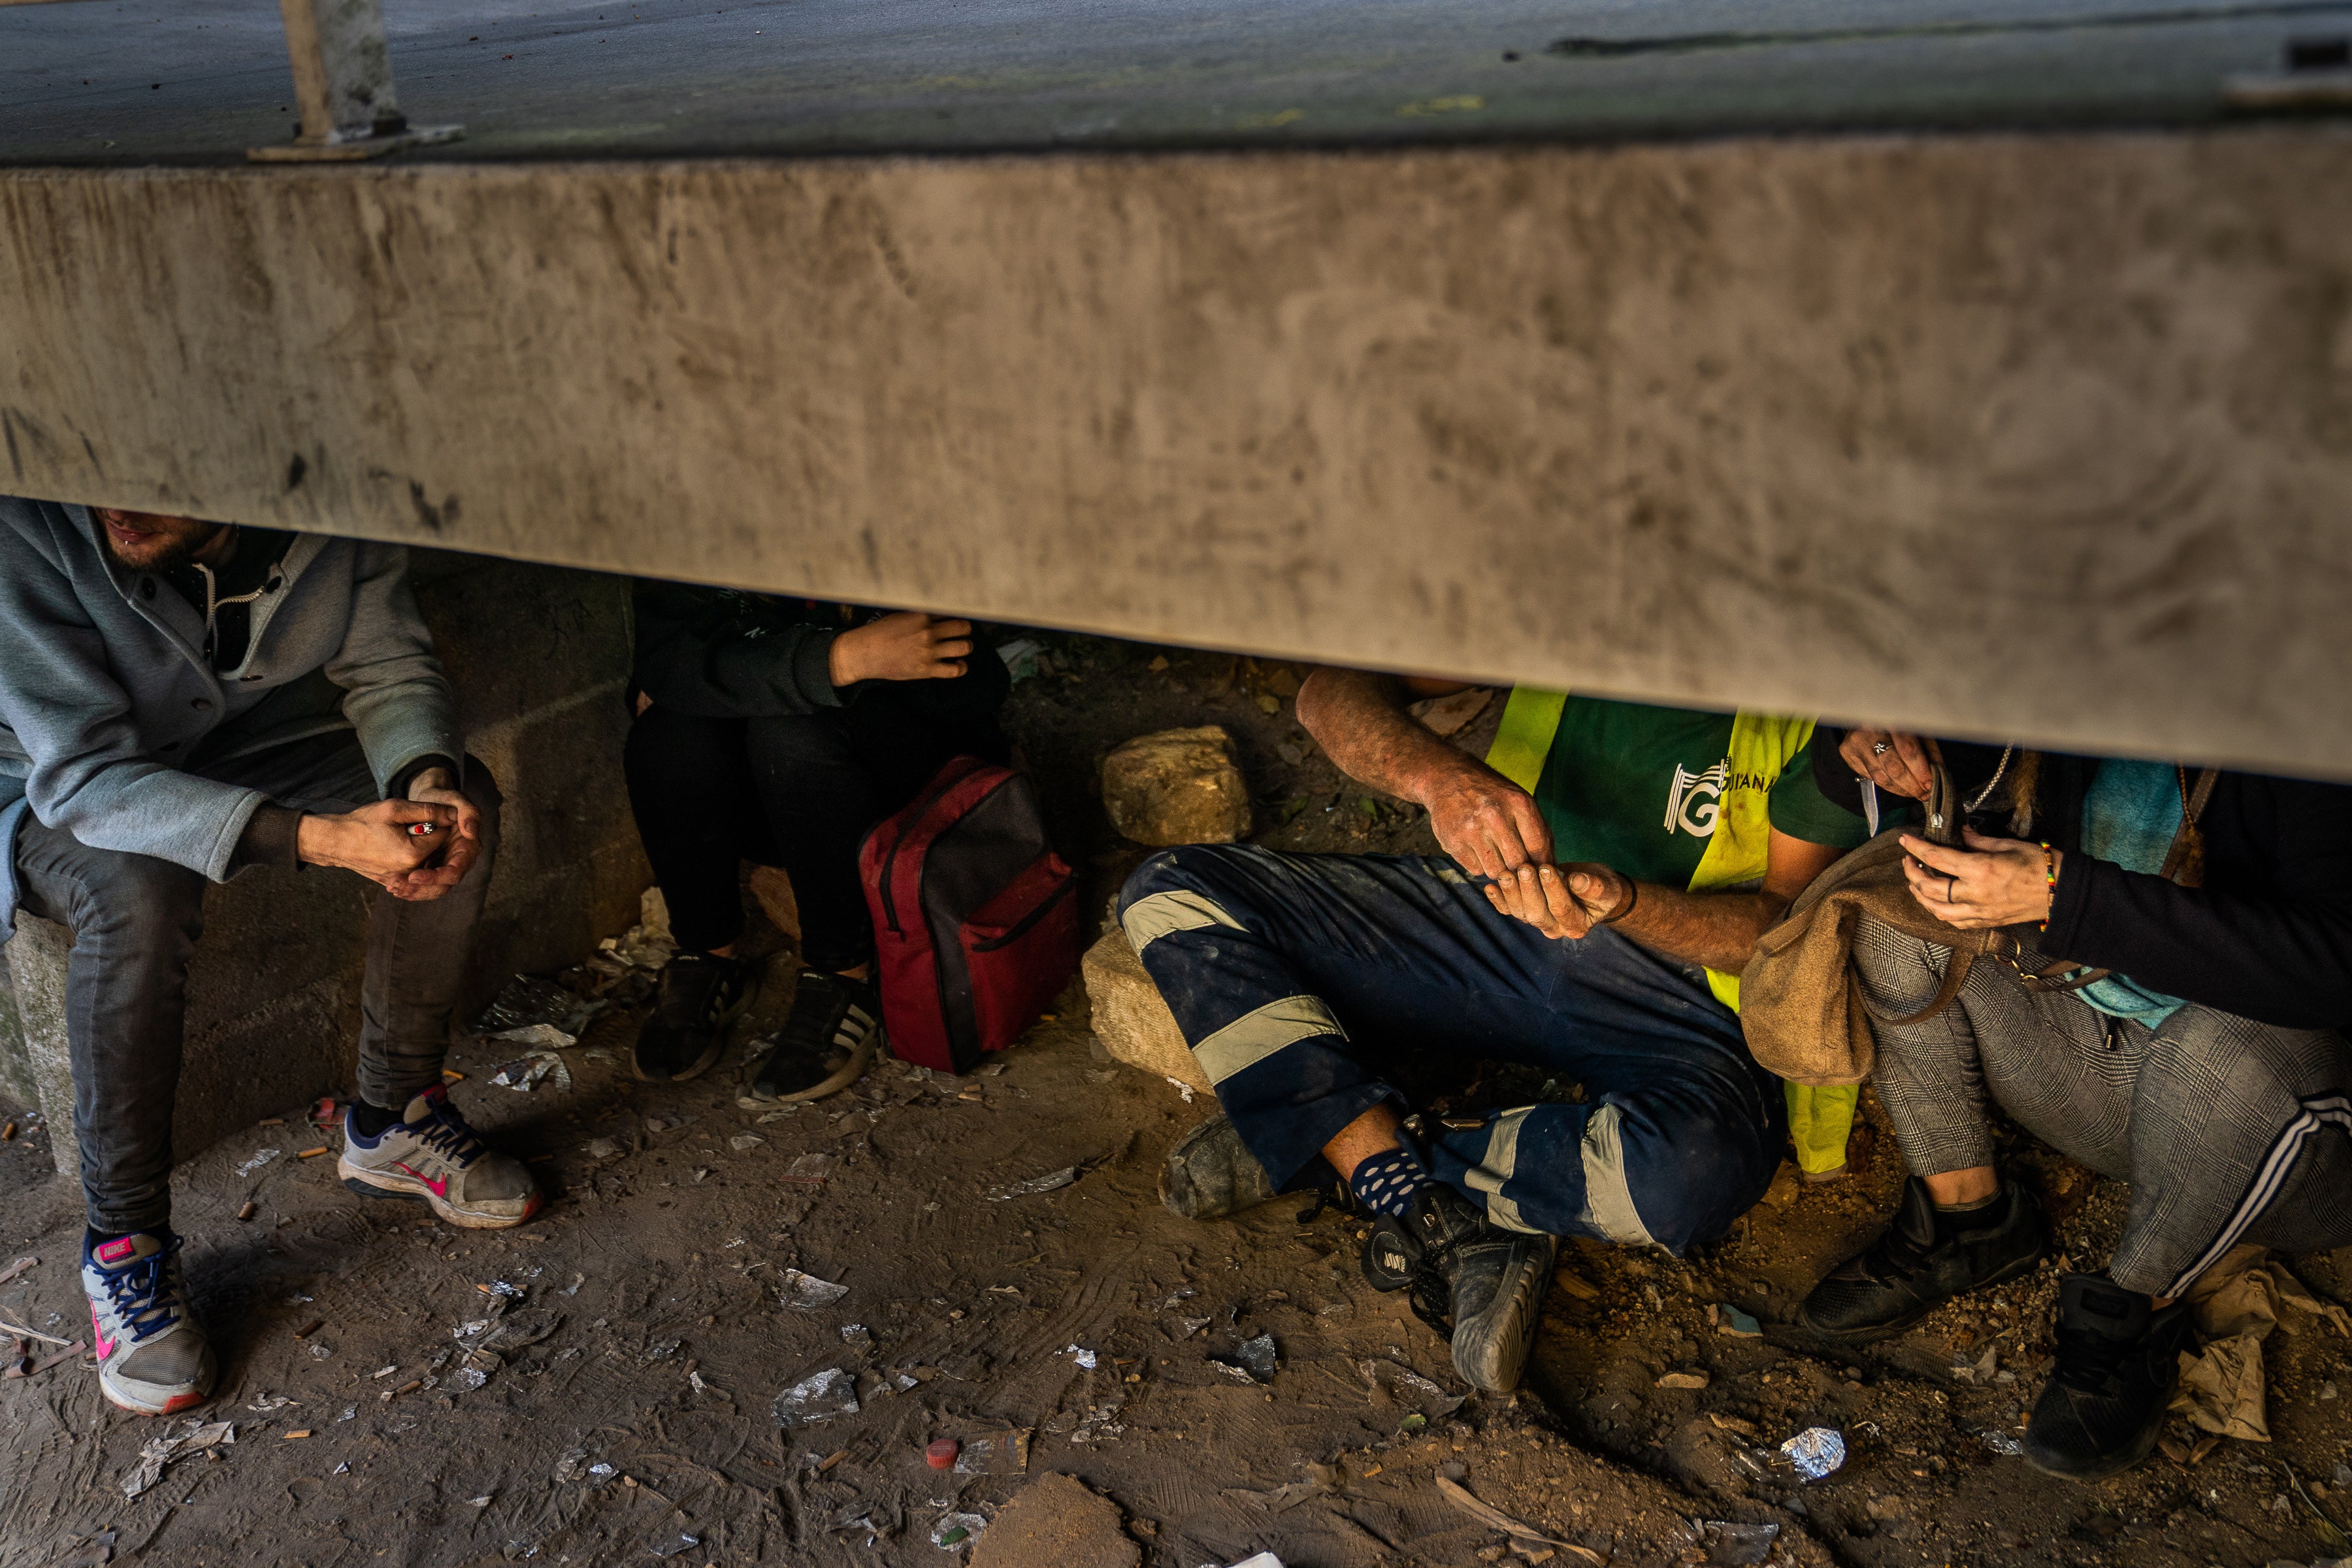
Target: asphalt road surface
198, 82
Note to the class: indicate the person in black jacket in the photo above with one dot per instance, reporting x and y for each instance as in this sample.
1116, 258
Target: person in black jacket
780, 731
2171, 1014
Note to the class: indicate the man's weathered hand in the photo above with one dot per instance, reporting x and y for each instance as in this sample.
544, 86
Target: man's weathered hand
375, 842
1992, 882
906, 646
1897, 762
1561, 901
1489, 825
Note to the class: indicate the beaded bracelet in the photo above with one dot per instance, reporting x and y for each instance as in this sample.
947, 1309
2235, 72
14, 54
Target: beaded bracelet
2048, 878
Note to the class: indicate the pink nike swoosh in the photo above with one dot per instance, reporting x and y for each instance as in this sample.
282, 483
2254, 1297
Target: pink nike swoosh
440, 1184
105, 1345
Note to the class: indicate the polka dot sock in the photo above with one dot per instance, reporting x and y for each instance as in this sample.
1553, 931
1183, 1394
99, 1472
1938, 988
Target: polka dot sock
1386, 1184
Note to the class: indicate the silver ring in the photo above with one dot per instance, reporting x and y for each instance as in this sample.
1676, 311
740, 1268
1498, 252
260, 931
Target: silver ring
1880, 748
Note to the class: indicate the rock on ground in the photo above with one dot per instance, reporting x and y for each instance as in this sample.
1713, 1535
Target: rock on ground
1177, 786
1057, 1522
1133, 1024
773, 891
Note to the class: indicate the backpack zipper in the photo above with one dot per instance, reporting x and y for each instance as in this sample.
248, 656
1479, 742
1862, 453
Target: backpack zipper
890, 861
1020, 927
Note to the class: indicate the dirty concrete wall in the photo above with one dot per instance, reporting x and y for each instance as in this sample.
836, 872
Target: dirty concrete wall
537, 655
1846, 424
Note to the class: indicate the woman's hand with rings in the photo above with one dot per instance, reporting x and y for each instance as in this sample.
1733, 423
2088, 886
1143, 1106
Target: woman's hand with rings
1895, 762
1992, 882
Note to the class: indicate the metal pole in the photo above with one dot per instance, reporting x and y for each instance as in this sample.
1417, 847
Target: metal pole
342, 81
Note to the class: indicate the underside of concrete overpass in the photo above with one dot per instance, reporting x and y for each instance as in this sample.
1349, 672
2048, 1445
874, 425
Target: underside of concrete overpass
1982, 366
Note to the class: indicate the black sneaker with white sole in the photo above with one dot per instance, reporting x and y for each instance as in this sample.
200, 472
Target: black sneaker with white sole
701, 995
829, 1038
2119, 1361
1476, 1283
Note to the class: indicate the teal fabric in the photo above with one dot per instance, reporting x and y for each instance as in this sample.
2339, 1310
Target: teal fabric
2130, 817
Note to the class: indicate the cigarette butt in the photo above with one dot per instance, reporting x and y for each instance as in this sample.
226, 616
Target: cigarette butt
8, 1132
423, 829
248, 1211
452, 1075
411, 1386
303, 1432
271, 1121
311, 1153
312, 1326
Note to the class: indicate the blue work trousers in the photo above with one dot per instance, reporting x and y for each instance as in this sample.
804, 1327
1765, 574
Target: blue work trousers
1287, 972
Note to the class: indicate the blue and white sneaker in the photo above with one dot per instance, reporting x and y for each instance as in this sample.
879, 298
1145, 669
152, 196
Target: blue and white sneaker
431, 1154
153, 1356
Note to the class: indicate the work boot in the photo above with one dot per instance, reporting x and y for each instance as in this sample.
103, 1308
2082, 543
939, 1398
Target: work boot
153, 1356
1923, 1260
1210, 1174
431, 1154
701, 993
1476, 1283
828, 1038
2118, 1361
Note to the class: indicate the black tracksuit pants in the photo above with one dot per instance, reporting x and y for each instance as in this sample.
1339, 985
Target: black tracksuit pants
798, 791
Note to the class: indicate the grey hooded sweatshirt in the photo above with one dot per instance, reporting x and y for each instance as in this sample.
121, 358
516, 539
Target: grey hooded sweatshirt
107, 698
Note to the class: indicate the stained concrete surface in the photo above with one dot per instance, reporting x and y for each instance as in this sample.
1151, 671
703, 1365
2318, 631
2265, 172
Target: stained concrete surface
1849, 426
131, 81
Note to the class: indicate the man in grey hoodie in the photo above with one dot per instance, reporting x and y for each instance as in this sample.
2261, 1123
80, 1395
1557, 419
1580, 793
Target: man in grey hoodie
181, 701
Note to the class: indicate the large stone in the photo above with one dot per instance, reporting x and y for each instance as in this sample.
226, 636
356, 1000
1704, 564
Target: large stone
1057, 1522
773, 889
1177, 786
1133, 1024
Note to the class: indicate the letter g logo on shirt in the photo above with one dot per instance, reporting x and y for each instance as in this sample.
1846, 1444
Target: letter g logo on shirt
1694, 801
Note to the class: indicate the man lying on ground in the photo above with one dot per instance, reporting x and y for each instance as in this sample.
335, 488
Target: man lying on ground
181, 701
2204, 1061
1562, 932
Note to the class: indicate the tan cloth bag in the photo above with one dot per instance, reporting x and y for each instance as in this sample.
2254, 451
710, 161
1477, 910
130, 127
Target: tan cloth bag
1799, 1003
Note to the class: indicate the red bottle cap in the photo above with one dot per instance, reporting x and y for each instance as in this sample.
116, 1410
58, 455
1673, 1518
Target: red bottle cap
942, 1454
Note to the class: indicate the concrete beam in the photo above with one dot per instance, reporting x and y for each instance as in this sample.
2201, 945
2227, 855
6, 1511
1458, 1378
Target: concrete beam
2037, 436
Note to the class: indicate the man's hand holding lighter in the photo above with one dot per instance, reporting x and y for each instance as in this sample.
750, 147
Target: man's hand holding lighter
401, 844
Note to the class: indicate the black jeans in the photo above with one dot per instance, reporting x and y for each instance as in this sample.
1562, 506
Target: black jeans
800, 792
135, 921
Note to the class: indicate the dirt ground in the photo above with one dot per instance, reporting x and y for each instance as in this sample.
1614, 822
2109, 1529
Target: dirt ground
638, 1423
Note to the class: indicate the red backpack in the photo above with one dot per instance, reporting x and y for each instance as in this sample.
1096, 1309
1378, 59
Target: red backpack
975, 917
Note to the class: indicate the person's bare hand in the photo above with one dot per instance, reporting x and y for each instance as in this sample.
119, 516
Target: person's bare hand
1489, 825
1991, 882
1895, 762
460, 849
1561, 901
375, 842
906, 646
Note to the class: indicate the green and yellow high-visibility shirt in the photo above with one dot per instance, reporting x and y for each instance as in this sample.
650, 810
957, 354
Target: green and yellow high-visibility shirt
1683, 799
